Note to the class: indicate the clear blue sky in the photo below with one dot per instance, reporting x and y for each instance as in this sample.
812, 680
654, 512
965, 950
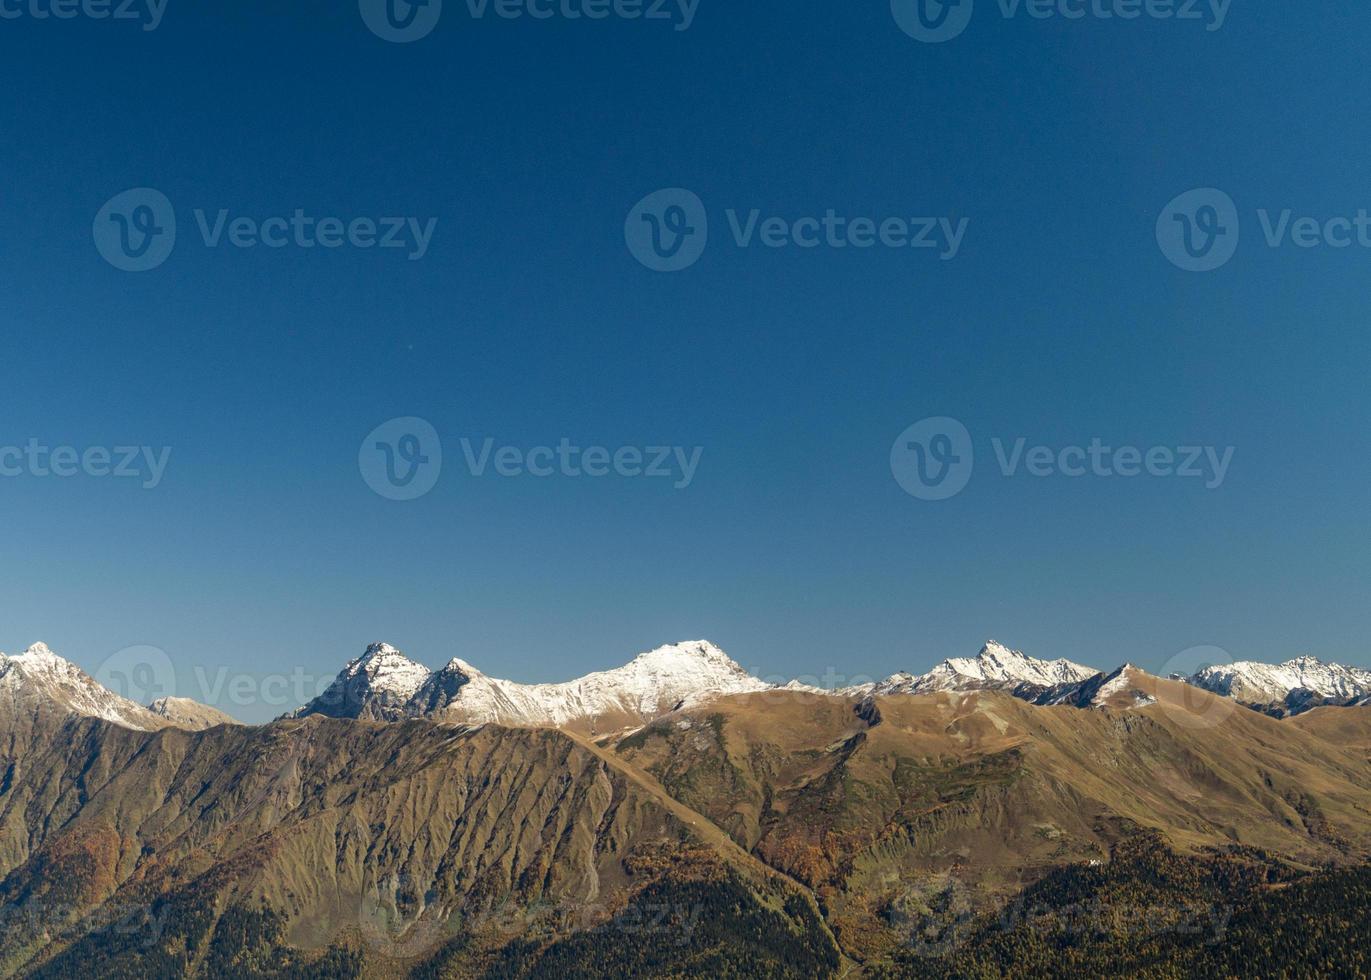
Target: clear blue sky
1060, 321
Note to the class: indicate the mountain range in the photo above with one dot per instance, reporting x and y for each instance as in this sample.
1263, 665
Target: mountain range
385, 685
677, 817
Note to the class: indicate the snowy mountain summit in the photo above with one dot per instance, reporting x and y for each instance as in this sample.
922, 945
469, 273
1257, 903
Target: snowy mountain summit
1299, 683
39, 681
998, 665
384, 685
995, 668
376, 687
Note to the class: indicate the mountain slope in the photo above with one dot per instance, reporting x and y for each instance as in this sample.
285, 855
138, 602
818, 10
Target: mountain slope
770, 834
869, 800
347, 847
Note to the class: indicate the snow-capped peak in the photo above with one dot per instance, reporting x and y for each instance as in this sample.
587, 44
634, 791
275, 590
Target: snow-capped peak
39, 680
388, 668
996, 667
377, 685
37, 653
1260, 683
384, 684
996, 662
651, 684
459, 666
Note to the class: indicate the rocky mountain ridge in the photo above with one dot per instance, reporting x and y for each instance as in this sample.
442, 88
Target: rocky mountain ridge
385, 685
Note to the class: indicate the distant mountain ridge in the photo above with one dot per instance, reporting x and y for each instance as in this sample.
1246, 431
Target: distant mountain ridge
1289, 688
995, 668
384, 685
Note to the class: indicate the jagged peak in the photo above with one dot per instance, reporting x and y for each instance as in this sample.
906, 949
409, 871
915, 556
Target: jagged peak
459, 666
36, 651
382, 658
691, 649
377, 650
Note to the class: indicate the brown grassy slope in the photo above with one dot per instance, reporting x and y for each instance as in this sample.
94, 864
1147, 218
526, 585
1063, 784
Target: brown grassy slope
1348, 728
991, 791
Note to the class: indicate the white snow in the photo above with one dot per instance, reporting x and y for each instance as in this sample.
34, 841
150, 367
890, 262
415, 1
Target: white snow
40, 678
1261, 683
388, 670
996, 666
654, 683
385, 684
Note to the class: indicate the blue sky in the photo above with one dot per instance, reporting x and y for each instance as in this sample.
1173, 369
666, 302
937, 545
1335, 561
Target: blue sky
528, 321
